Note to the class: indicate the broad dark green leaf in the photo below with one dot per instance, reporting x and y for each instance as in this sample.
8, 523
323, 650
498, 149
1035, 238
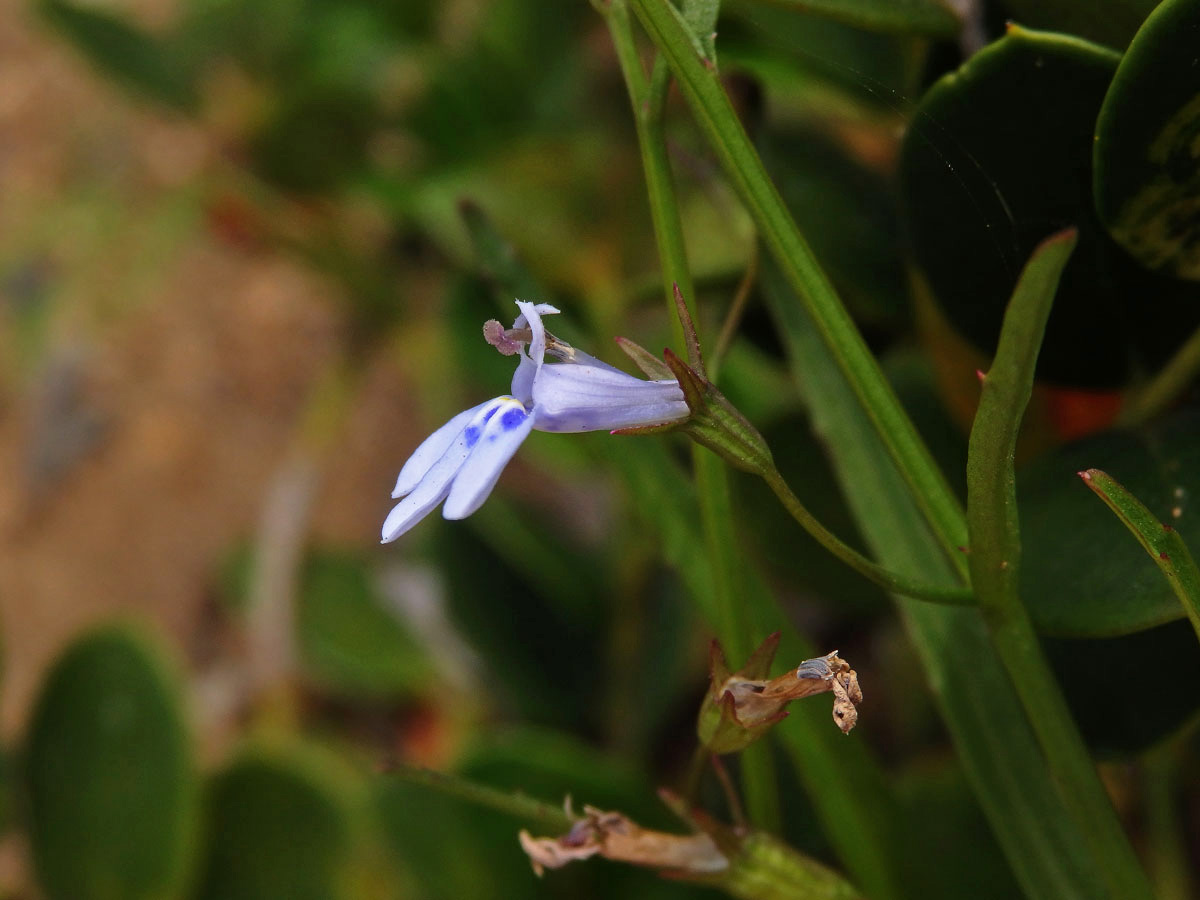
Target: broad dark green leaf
1108, 22
1147, 152
936, 794
926, 17
112, 793
281, 824
1118, 715
997, 158
1082, 574
146, 64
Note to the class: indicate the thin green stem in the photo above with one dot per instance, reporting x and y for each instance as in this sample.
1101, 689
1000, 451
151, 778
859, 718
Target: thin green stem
712, 480
995, 560
553, 818
1161, 391
733, 318
1166, 848
890, 581
715, 115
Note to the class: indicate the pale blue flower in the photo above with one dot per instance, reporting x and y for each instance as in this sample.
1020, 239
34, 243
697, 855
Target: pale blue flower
461, 461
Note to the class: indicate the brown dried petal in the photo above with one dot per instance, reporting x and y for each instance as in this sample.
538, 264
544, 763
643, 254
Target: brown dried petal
756, 702
617, 837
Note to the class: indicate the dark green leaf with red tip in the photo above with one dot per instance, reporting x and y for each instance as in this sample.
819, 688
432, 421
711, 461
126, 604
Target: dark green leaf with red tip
1082, 575
1160, 541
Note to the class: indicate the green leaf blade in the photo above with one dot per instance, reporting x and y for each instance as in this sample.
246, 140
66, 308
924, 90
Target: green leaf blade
1146, 171
924, 17
1162, 542
990, 731
991, 484
112, 790
992, 520
281, 825
135, 59
715, 115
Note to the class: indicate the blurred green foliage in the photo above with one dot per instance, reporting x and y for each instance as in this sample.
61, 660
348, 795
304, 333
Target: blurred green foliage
924, 158
113, 806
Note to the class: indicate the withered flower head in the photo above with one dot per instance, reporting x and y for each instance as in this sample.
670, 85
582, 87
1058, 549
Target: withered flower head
740, 707
741, 862
617, 837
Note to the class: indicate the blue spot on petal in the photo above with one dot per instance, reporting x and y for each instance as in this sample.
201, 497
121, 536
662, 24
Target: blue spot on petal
512, 419
471, 435
491, 412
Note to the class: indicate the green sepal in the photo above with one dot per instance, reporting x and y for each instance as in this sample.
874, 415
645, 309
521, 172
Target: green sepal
716, 423
718, 726
651, 365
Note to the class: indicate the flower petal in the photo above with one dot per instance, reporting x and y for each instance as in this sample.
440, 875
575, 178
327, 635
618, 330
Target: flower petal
590, 398
530, 362
431, 451
500, 439
435, 484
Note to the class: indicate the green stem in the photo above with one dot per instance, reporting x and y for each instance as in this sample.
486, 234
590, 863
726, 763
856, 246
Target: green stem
1162, 390
712, 480
890, 581
995, 560
733, 318
1165, 845
715, 115
553, 818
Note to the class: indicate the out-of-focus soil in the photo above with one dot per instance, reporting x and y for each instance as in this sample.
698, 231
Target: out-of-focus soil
144, 410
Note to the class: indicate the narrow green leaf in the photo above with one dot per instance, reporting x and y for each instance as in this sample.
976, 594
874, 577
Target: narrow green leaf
991, 486
1161, 541
135, 59
995, 553
715, 115
112, 792
995, 744
1147, 158
925, 17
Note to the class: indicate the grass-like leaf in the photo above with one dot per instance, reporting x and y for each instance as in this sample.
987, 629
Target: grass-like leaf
995, 551
993, 738
716, 117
